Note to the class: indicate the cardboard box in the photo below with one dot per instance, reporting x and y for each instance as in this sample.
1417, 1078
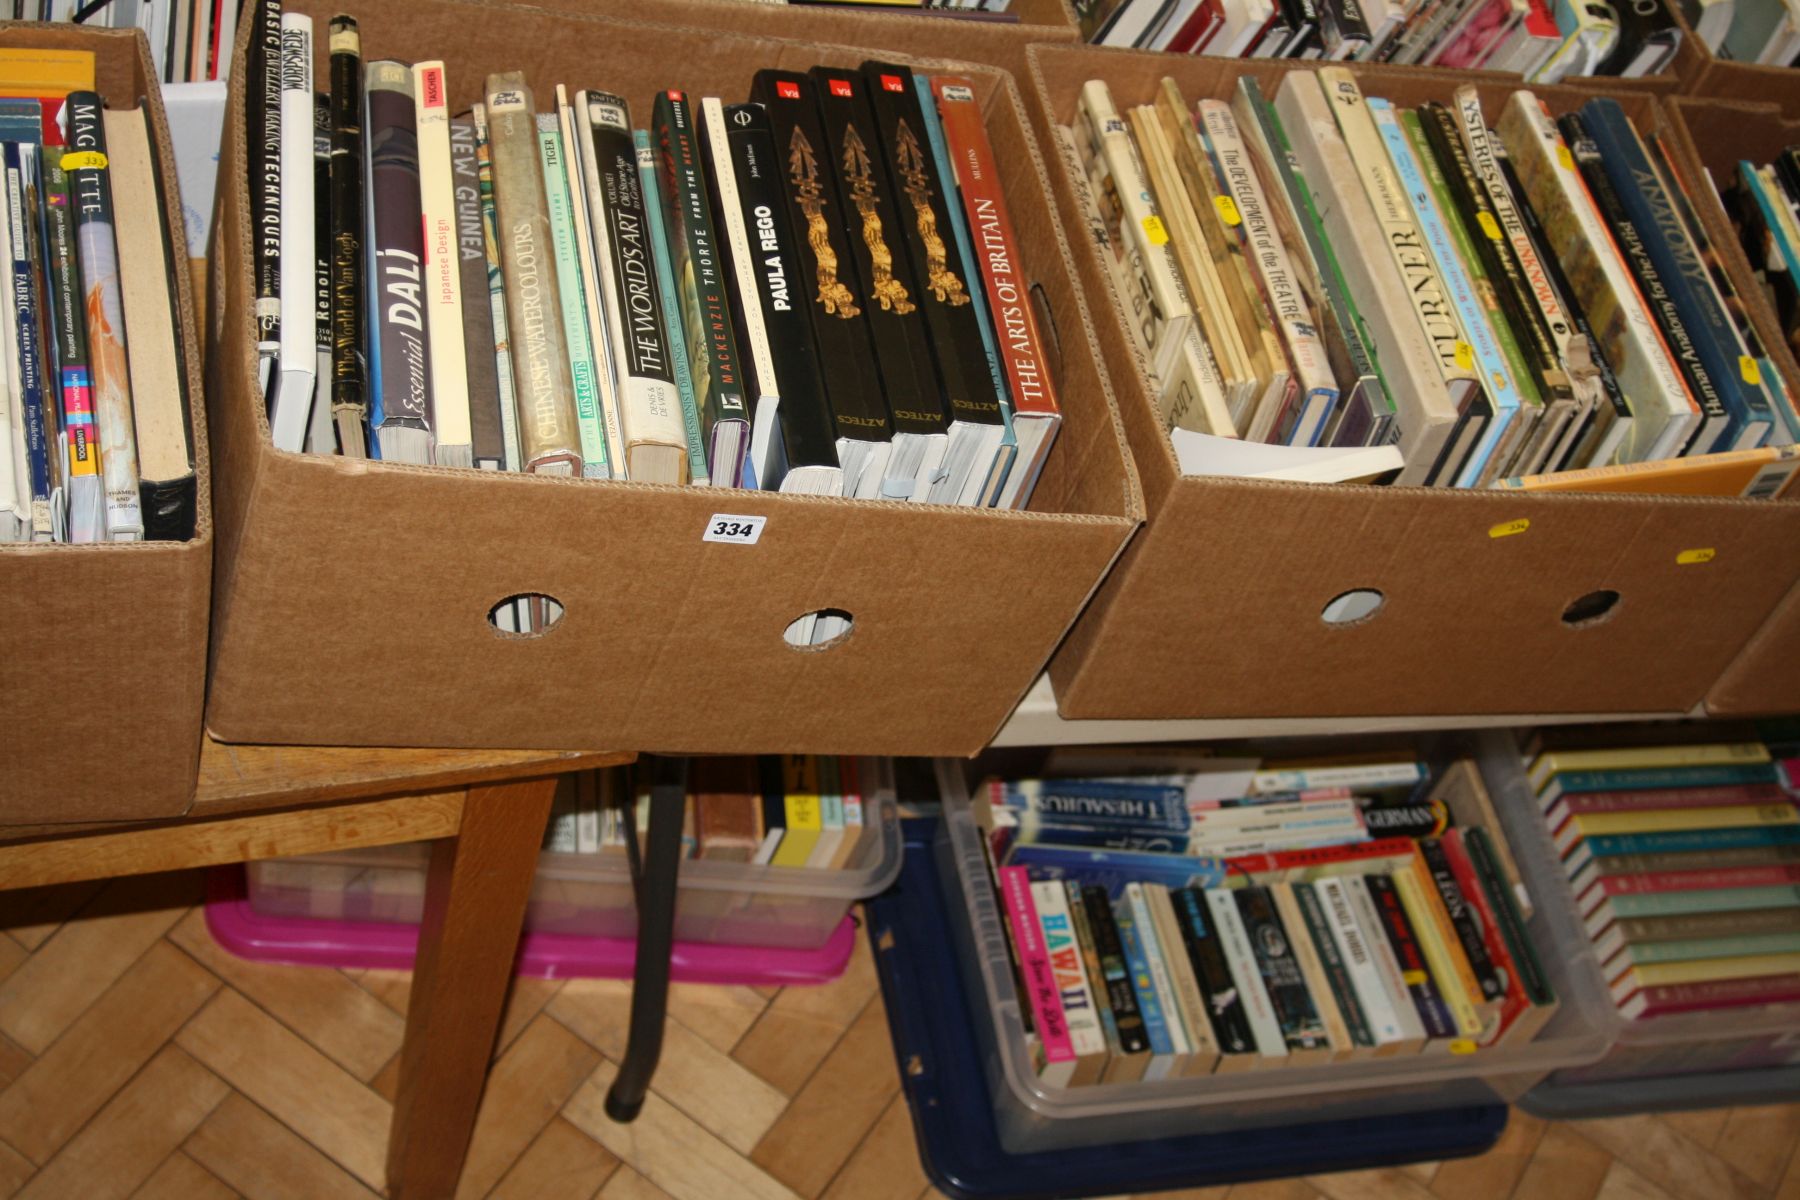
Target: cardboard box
103, 655
1765, 678
921, 34
1216, 608
353, 596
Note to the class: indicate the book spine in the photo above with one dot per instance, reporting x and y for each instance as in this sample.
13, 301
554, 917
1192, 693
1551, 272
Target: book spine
349, 333
1696, 880
1041, 991
264, 138
292, 396
1669, 819
549, 440
584, 293
1644, 864
90, 192
1687, 841
1457, 985
1690, 949
1190, 997
1301, 1027
1063, 949
1318, 861
1360, 960
496, 293
1246, 975
1707, 926
700, 277
649, 406
1096, 803
1224, 1006
487, 445
80, 437
322, 433
596, 462
1464, 920
1729, 795
1155, 955
38, 425
450, 416
1398, 928
1090, 962
1112, 868
1669, 999
1333, 966
400, 407
664, 269
1156, 1028
1668, 904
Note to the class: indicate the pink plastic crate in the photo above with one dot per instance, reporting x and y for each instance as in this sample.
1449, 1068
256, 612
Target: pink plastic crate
310, 942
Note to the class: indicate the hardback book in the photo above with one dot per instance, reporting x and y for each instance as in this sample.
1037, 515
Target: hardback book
549, 440
1247, 977
834, 294
1764, 474
1036, 416
263, 132
291, 398
85, 518
161, 407
1203, 1048
585, 320
321, 429
655, 440
349, 359
1426, 414
1669, 999
90, 194
510, 438
33, 423
399, 354
978, 427
727, 809
1701, 970
649, 180
1680, 841
1715, 774
1373, 971
1603, 866
583, 324
700, 278
1554, 760
1080, 1013
1669, 904
1703, 928
488, 443
1600, 888
452, 436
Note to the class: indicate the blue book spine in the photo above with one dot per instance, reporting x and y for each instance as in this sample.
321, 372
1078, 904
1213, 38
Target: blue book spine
1689, 841
1114, 869
1490, 361
1036, 832
31, 365
1101, 804
1708, 775
1155, 1027
671, 305
965, 250
1683, 273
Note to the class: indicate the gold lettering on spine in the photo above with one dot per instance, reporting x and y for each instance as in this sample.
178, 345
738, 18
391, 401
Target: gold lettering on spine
938, 277
857, 170
803, 171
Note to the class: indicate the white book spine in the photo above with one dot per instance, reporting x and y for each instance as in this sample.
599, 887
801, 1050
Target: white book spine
1181, 1045
1359, 962
603, 423
1269, 258
15, 472
1661, 410
1387, 965
291, 412
1246, 975
1085, 1033
763, 443
1109, 148
1408, 360
1192, 1000
443, 271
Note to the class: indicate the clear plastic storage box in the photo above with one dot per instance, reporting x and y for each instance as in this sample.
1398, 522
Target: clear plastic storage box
1032, 1116
590, 895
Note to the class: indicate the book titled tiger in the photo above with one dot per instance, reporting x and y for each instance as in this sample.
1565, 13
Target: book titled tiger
399, 354
1036, 416
548, 434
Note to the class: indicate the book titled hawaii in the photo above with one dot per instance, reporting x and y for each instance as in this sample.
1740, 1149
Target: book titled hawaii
1041, 992
1036, 414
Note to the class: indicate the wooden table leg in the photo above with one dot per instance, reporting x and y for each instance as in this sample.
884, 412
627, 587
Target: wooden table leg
475, 899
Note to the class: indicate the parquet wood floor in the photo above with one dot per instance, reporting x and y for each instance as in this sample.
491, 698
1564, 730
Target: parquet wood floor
137, 1059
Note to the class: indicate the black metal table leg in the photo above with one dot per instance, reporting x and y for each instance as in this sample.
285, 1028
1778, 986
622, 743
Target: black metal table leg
655, 881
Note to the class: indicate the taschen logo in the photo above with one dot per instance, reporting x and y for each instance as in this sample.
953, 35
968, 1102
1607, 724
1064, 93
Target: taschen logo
841, 87
892, 83
787, 90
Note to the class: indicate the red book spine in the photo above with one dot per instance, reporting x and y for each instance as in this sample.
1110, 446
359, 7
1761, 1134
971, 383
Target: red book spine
1695, 797
1318, 856
1515, 1001
996, 248
1200, 25
1695, 881
1670, 998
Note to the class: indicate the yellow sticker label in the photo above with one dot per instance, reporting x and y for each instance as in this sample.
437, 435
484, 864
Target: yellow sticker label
1749, 370
1153, 229
1564, 157
1462, 1046
1703, 554
1465, 356
1508, 528
84, 160
1228, 212
1413, 978
1488, 225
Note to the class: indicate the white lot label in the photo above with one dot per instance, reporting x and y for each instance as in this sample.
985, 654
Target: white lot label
729, 527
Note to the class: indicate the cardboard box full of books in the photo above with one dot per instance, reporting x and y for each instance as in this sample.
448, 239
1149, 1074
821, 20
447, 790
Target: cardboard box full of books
1232, 600
354, 597
102, 666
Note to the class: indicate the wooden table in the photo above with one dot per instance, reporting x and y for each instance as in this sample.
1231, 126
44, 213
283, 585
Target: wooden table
484, 811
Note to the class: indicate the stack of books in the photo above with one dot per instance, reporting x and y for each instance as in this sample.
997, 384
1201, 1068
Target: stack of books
1542, 40
1685, 862
190, 41
94, 402
780, 811
815, 291
1328, 911
1409, 295
1766, 32
1763, 202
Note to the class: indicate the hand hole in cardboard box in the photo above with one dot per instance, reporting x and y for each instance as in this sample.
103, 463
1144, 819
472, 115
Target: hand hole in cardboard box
525, 615
821, 629
1584, 612
1352, 607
